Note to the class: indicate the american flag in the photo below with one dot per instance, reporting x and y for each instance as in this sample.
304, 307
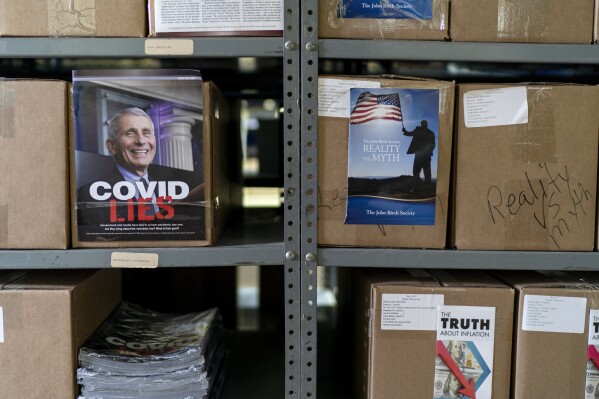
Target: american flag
370, 106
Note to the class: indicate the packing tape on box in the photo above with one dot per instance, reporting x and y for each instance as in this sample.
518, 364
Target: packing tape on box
108, 204
7, 108
7, 131
3, 223
522, 19
538, 142
565, 279
72, 17
386, 17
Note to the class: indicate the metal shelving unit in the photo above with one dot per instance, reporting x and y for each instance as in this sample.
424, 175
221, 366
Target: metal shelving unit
267, 242
357, 50
458, 259
136, 47
294, 243
458, 51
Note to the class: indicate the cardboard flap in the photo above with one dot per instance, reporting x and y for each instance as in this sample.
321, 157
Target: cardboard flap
7, 277
50, 280
466, 278
404, 277
534, 279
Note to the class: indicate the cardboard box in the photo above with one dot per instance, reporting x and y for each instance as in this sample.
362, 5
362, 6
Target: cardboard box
526, 168
34, 158
345, 19
553, 334
397, 340
234, 18
45, 316
167, 125
540, 21
101, 18
335, 186
596, 23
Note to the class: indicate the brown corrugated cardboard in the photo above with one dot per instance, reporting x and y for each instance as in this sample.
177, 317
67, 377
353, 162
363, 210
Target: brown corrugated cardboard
526, 185
596, 23
548, 363
538, 21
34, 158
101, 18
47, 316
332, 26
400, 362
216, 188
333, 178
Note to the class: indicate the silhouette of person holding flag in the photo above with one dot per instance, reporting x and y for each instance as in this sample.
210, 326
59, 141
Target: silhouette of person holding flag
422, 146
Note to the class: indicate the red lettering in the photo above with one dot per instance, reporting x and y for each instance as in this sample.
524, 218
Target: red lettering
130, 210
170, 211
113, 215
142, 208
113, 211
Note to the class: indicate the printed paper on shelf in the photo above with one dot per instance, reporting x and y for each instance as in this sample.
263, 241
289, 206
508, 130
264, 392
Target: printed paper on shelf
217, 16
496, 107
389, 9
135, 179
392, 156
591, 388
558, 314
464, 348
333, 95
1, 325
410, 311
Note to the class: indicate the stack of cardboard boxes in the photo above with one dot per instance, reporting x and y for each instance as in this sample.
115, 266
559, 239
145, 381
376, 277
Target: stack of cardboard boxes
436, 334
90, 18
45, 317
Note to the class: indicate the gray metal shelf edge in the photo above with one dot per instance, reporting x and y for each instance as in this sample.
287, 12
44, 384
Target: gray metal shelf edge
458, 51
457, 259
18, 47
236, 255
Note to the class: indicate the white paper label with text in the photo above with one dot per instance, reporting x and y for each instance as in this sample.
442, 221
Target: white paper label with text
333, 95
410, 311
496, 107
169, 47
558, 314
134, 260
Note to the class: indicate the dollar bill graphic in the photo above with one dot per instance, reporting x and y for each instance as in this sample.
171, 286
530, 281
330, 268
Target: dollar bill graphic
591, 389
447, 384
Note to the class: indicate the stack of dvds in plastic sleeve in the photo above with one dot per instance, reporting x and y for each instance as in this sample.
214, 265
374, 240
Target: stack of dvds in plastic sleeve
141, 354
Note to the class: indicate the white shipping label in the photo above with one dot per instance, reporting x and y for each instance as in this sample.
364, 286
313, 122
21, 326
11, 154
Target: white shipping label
594, 327
558, 314
496, 107
1, 325
333, 95
217, 15
410, 311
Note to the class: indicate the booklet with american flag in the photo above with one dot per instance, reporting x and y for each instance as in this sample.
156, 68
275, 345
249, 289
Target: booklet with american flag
392, 156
